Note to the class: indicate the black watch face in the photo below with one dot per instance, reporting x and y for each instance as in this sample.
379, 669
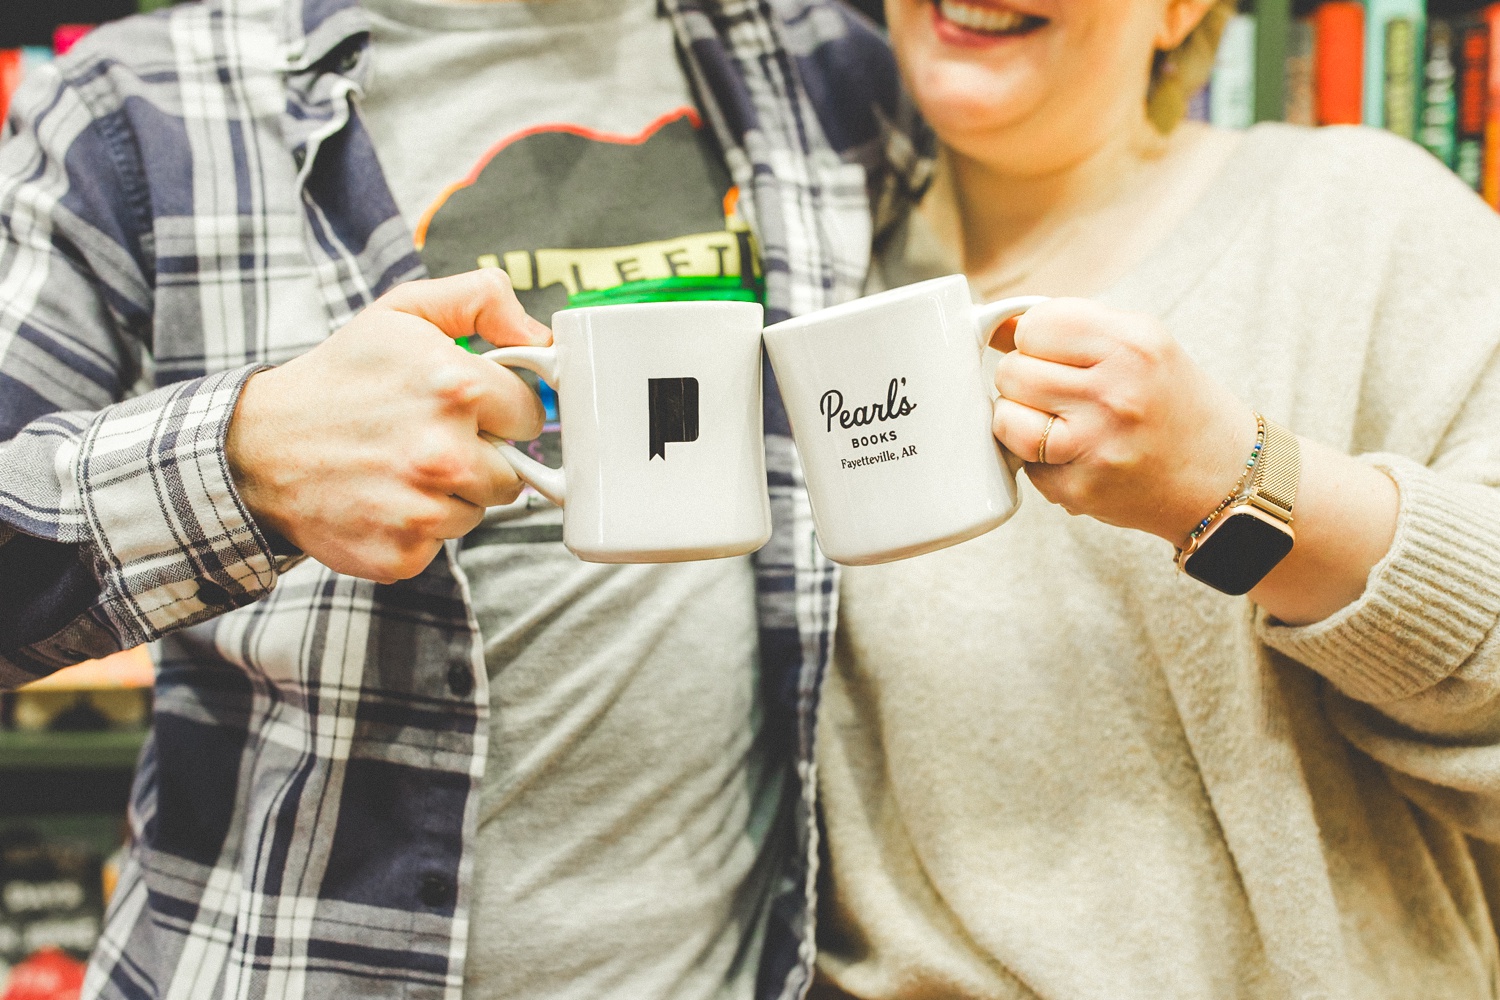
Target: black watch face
1239, 553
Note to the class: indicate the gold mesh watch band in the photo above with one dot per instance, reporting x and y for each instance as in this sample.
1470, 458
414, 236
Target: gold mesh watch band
1280, 466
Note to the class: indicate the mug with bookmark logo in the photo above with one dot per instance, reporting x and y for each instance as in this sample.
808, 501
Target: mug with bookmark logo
660, 407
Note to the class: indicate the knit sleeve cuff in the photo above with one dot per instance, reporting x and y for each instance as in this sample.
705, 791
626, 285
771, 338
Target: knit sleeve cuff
173, 542
1427, 605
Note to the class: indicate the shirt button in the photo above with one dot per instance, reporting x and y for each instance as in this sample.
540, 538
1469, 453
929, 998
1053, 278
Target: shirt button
460, 680
348, 61
435, 891
212, 594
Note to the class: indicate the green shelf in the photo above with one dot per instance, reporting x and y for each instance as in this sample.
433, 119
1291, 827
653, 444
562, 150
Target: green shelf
112, 750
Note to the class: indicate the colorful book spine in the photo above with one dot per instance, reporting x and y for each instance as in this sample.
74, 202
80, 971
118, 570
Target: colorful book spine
1273, 25
33, 57
1473, 36
10, 78
1437, 129
1393, 43
1339, 36
1231, 92
65, 36
1301, 87
1491, 169
1197, 109
1402, 62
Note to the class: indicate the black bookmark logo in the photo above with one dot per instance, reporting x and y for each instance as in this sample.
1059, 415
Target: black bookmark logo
674, 412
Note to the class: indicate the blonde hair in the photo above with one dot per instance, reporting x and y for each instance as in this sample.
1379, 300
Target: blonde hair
1177, 75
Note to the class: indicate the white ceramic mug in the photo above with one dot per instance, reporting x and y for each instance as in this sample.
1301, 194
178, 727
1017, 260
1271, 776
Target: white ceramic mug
891, 413
663, 453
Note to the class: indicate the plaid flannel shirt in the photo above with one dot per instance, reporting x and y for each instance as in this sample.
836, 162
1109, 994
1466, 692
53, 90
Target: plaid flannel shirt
190, 196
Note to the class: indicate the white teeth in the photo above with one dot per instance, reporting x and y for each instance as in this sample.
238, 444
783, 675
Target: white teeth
982, 18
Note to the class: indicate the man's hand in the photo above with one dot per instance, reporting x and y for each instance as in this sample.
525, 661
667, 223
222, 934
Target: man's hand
365, 452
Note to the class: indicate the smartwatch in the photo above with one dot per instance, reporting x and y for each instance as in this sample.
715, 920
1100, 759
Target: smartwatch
1254, 533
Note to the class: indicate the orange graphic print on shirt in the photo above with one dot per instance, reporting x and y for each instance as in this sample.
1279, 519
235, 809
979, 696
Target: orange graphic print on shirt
579, 217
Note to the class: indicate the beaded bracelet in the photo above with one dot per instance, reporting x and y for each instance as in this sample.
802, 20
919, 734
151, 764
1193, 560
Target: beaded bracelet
1239, 487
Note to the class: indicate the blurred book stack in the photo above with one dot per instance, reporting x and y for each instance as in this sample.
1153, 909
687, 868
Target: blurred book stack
1419, 68
68, 743
51, 910
32, 33
68, 748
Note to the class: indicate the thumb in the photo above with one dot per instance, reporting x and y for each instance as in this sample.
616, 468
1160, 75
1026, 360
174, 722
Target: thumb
476, 302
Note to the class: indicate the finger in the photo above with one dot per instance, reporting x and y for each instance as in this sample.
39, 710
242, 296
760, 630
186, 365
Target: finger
508, 407
1019, 428
497, 399
1068, 331
494, 482
477, 302
449, 517
1041, 385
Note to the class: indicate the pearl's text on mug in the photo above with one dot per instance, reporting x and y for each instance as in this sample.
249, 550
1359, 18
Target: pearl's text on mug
832, 407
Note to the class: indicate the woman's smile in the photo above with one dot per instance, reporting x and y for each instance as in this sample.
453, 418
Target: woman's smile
974, 22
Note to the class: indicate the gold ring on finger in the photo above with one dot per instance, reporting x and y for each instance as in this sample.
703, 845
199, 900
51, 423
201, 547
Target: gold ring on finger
1041, 447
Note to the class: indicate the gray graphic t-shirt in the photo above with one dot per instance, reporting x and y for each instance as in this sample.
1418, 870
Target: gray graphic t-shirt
622, 846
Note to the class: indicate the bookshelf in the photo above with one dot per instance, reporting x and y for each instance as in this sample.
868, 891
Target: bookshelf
106, 750
92, 716
25, 22
1427, 70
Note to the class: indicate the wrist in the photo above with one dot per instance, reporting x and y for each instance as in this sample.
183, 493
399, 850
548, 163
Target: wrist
1226, 452
249, 453
1250, 532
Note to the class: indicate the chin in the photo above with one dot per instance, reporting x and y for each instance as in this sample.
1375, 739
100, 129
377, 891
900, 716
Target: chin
954, 99
973, 65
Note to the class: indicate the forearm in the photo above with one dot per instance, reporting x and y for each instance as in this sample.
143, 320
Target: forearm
1345, 519
125, 527
44, 587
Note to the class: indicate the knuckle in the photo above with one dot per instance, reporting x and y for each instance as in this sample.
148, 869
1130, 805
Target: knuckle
434, 463
408, 567
508, 492
391, 565
499, 276
1147, 342
456, 385
1126, 403
1069, 488
420, 527
466, 482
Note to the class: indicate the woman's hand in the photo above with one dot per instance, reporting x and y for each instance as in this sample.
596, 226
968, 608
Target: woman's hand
1143, 438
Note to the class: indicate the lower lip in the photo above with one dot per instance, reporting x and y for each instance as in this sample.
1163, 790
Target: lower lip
950, 33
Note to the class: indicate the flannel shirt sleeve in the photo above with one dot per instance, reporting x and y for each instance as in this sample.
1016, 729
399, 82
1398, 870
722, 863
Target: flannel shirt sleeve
118, 518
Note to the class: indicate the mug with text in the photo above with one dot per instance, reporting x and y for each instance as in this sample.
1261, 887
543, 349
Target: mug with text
892, 413
660, 405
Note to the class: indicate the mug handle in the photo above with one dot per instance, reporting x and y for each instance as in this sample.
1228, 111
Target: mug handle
988, 317
549, 482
